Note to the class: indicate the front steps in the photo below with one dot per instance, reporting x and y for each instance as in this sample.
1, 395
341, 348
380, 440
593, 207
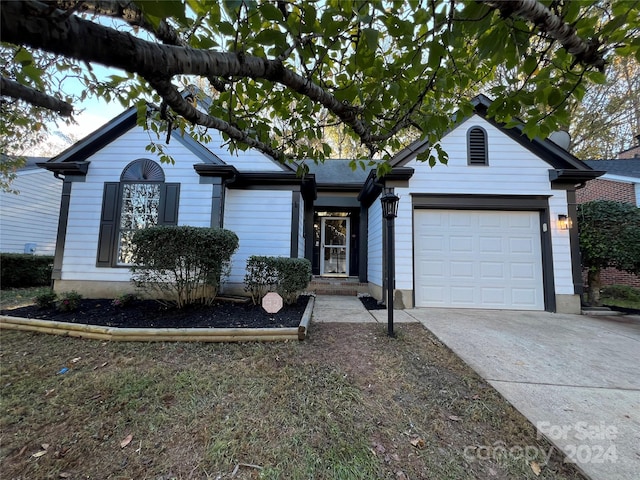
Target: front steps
349, 286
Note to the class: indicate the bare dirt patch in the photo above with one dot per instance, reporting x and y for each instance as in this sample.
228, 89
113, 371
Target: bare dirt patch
348, 403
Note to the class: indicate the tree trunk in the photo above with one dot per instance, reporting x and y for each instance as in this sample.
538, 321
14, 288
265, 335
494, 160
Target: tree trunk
593, 287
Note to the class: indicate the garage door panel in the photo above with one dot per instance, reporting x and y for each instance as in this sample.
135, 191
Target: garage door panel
492, 270
493, 297
523, 245
462, 270
523, 271
487, 244
478, 259
462, 296
461, 244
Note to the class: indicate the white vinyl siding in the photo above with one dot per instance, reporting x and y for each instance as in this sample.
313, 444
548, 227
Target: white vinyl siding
262, 221
374, 243
32, 215
79, 262
512, 170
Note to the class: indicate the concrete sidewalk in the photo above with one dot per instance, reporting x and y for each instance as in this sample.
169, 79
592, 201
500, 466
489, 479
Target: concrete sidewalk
575, 377
349, 309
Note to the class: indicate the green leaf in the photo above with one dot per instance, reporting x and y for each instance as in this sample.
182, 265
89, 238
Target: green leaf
162, 8
371, 36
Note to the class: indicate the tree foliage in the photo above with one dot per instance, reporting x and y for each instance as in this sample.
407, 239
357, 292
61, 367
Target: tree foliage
607, 120
609, 237
275, 73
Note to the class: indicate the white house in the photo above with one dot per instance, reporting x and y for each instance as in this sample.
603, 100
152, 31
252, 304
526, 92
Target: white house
480, 232
29, 217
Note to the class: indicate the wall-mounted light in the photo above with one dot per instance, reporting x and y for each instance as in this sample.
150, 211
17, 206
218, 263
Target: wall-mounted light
564, 222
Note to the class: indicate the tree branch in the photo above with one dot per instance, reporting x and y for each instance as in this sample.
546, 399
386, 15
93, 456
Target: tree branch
129, 12
30, 95
27, 24
182, 107
585, 51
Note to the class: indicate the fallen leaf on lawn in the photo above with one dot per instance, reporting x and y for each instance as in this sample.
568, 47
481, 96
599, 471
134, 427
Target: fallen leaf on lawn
64, 475
535, 467
126, 441
76, 360
45, 446
455, 418
417, 442
49, 392
22, 450
39, 454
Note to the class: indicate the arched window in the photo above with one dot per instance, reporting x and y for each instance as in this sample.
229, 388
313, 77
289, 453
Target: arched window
478, 153
141, 199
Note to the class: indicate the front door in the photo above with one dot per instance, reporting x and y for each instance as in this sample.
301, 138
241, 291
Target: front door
334, 255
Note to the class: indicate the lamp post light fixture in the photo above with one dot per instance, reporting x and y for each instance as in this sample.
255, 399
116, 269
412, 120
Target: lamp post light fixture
390, 211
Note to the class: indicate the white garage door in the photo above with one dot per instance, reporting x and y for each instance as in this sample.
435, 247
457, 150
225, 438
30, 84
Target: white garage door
478, 259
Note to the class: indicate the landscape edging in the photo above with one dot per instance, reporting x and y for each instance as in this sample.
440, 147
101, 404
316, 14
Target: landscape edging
97, 332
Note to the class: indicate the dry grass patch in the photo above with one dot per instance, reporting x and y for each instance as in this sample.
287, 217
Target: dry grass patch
348, 403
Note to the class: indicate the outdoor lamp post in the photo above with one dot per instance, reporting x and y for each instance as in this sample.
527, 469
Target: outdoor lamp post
390, 211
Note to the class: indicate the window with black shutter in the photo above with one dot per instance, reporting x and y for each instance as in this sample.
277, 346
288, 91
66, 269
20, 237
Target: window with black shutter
477, 146
141, 199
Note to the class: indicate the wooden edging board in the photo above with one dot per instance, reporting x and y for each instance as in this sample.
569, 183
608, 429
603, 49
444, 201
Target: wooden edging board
162, 334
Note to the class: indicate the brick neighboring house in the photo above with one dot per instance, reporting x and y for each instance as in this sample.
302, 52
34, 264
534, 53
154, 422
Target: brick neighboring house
621, 183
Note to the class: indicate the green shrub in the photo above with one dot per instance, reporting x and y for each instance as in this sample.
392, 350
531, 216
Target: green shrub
46, 299
261, 277
294, 275
124, 300
287, 276
621, 292
182, 264
18, 270
69, 301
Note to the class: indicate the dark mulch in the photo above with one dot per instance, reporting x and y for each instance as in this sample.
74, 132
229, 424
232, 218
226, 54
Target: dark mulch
371, 303
151, 314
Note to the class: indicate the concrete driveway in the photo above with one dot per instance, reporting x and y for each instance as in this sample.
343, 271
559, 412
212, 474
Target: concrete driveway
575, 377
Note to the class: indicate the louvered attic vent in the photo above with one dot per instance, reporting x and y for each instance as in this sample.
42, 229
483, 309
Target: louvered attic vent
477, 146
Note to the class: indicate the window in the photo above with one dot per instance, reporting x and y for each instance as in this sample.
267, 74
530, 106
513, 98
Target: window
141, 199
139, 209
477, 146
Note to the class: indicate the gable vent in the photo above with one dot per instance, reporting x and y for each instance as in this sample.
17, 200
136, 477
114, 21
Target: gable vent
477, 145
142, 170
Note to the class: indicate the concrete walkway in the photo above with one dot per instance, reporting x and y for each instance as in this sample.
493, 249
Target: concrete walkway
575, 377
348, 309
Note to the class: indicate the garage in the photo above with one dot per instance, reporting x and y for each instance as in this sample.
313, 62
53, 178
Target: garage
478, 259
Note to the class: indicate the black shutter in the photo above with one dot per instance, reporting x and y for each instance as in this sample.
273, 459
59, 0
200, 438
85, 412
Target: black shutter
108, 225
169, 199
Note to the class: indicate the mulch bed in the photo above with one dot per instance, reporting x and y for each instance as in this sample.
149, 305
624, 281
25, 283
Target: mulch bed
152, 314
371, 303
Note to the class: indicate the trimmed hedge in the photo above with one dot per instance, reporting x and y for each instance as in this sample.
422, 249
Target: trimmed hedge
182, 264
19, 270
287, 276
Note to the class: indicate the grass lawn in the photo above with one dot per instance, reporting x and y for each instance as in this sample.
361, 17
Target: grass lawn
348, 403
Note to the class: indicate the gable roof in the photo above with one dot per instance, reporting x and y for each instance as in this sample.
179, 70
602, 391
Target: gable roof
622, 167
554, 155
113, 129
